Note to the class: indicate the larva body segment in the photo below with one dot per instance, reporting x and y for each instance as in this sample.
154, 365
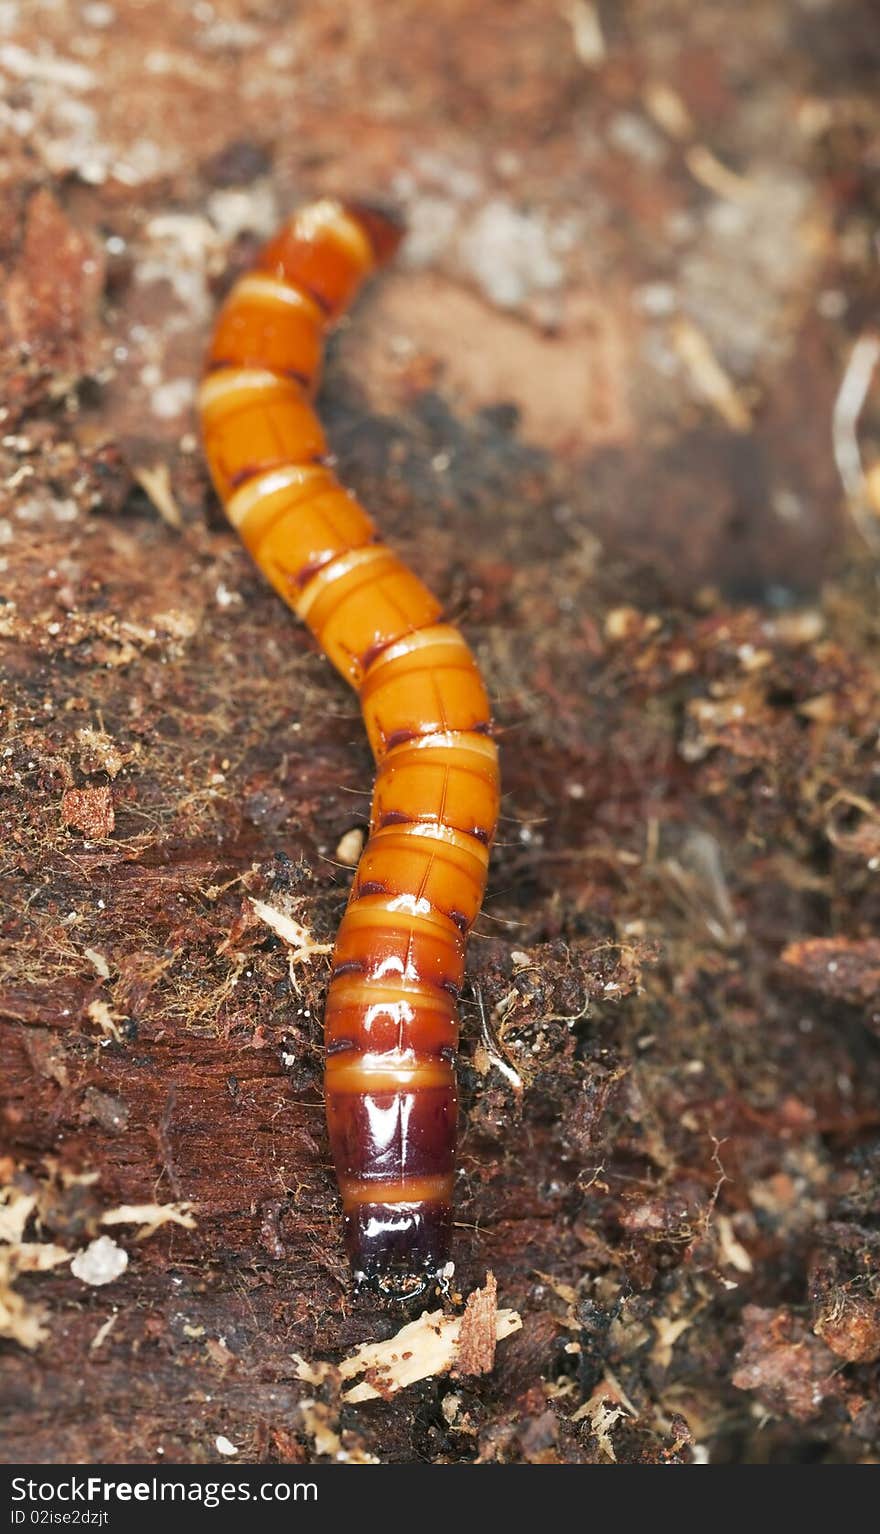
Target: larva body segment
391, 1023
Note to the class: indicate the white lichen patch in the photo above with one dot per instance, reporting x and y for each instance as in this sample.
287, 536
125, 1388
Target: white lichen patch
753, 254
509, 254
100, 1262
22, 64
181, 249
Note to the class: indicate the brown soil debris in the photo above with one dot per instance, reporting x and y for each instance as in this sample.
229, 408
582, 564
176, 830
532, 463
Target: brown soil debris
54, 288
791, 1372
845, 969
89, 810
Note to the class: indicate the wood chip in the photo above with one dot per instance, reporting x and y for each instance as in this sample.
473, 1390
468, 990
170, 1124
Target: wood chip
855, 386
717, 177
428, 1347
477, 1334
100, 1013
587, 35
20, 1319
39, 1256
150, 1217
103, 1332
349, 847
98, 962
16, 1209
157, 485
708, 376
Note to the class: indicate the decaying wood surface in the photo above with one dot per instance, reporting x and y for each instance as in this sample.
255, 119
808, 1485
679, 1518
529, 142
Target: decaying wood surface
618, 403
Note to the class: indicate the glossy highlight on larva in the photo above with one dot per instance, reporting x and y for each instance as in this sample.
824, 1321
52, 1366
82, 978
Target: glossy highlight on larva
391, 1021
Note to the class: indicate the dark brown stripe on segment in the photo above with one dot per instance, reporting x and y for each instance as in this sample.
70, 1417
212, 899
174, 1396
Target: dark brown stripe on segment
303, 379
397, 1239
400, 818
252, 470
372, 653
444, 984
234, 364
400, 738
339, 1046
305, 287
300, 578
396, 818
404, 737
350, 967
436, 915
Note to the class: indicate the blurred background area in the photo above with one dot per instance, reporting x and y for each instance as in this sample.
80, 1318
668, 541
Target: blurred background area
647, 229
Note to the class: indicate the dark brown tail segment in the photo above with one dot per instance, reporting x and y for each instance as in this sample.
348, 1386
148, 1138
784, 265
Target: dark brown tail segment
400, 1144
383, 228
397, 1242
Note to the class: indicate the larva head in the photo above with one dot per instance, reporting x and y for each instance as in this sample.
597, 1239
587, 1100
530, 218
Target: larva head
327, 249
383, 229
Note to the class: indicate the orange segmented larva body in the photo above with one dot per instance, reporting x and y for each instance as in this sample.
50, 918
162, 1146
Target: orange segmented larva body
391, 1023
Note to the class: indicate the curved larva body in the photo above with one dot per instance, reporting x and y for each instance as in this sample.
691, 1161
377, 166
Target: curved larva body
391, 1024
